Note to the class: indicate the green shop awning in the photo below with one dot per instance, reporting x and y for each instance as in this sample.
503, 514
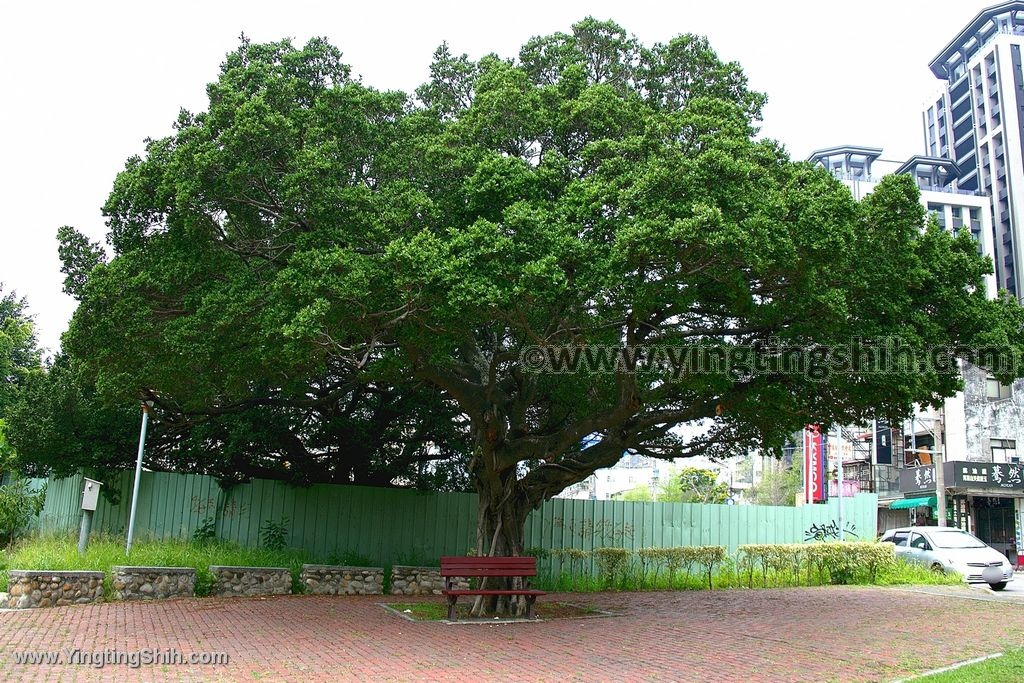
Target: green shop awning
907, 503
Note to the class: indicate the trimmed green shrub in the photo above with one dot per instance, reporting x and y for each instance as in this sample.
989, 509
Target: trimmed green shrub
610, 561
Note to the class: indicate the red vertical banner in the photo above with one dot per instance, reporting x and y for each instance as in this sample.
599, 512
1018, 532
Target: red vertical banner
814, 466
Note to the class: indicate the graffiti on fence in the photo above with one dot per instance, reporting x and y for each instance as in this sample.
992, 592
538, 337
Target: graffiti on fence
233, 507
603, 528
204, 505
201, 505
829, 531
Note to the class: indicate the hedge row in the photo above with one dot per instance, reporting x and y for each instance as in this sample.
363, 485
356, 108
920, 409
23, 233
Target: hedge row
837, 563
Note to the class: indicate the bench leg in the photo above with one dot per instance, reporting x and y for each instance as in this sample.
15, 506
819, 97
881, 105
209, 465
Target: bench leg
451, 607
529, 606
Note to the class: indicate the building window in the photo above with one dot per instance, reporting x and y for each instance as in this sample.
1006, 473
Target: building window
996, 390
958, 219
1004, 450
938, 210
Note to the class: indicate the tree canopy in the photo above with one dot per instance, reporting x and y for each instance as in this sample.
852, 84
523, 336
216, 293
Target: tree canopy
316, 276
21, 362
20, 355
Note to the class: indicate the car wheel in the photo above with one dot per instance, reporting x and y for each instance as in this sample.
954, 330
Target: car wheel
997, 586
937, 568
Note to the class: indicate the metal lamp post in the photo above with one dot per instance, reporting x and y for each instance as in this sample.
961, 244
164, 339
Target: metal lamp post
146, 405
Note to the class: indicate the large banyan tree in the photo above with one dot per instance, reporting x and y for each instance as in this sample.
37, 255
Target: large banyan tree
316, 249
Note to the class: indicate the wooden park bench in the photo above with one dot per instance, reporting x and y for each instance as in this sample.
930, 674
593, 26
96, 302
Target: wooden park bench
483, 567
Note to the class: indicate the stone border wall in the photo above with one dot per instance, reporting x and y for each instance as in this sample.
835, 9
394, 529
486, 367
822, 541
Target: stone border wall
407, 580
326, 579
153, 583
250, 581
28, 588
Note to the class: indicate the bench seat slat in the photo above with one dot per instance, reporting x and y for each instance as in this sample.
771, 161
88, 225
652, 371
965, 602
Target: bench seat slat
494, 592
470, 559
471, 572
458, 566
484, 567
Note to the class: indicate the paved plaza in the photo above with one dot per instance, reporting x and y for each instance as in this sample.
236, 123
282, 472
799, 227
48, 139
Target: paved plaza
812, 634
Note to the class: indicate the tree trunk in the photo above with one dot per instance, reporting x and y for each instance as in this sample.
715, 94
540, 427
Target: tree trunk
501, 517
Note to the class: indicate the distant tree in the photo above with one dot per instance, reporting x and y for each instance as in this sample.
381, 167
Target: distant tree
778, 485
694, 485
21, 363
20, 355
59, 426
641, 493
689, 485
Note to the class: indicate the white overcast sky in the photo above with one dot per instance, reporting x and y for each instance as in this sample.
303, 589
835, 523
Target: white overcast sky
85, 83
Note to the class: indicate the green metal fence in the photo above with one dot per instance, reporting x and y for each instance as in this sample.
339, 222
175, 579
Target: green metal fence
410, 527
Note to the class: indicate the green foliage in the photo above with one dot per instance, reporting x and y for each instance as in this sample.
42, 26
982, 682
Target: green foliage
777, 485
753, 566
274, 535
574, 558
19, 503
388, 260
79, 257
1009, 666
351, 558
103, 552
60, 426
7, 458
689, 485
694, 485
206, 531
610, 561
841, 563
417, 556
641, 493
21, 359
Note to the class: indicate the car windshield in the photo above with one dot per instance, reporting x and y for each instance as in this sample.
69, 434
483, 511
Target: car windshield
955, 539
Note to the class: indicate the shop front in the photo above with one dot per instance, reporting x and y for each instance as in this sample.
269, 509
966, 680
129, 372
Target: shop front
982, 498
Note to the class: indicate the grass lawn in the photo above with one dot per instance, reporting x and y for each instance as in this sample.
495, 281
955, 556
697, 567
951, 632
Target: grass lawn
1009, 667
438, 611
103, 552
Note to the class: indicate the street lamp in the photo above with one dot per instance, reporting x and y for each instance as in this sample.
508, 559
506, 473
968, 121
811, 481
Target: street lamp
146, 405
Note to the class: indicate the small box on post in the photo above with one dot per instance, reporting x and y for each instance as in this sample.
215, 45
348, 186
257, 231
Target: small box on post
90, 497
91, 494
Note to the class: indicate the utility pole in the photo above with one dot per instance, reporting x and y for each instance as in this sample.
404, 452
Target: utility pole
839, 485
146, 405
940, 479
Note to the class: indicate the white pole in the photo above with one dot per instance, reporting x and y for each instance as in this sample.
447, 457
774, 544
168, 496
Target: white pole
138, 475
938, 460
839, 482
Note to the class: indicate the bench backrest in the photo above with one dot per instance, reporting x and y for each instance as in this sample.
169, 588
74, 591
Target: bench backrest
489, 566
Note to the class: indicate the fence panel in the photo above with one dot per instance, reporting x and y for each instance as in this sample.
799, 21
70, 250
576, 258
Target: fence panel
395, 525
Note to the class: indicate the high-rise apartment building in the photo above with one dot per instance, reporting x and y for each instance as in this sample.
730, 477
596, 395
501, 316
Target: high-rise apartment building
978, 124
971, 177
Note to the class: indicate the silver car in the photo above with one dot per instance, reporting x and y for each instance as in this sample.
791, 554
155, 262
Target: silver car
949, 548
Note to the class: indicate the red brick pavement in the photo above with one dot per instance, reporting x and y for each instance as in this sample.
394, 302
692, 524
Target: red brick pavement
814, 634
